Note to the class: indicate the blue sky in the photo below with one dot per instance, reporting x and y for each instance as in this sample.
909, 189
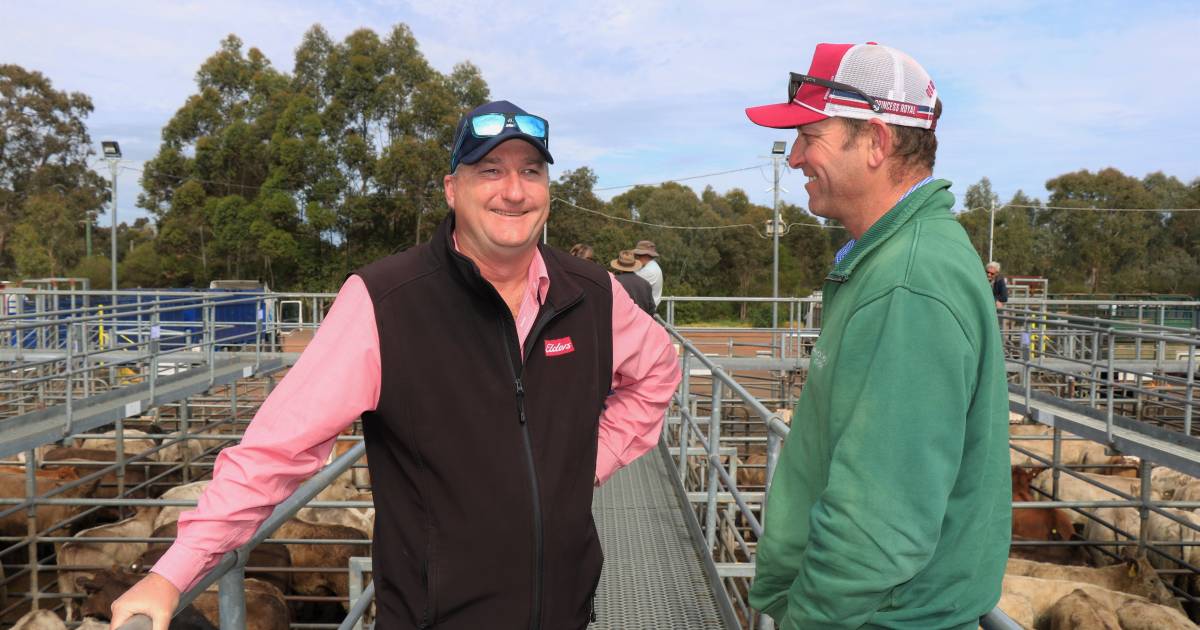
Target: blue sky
644, 90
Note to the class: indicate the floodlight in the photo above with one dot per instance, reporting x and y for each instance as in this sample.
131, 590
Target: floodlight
111, 149
779, 148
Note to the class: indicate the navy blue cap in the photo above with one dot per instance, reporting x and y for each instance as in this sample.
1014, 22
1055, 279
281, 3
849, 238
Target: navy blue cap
472, 149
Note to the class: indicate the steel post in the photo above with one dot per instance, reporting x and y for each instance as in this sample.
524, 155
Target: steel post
684, 417
232, 599
714, 440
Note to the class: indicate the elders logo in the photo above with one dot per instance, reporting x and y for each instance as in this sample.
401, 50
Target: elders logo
555, 347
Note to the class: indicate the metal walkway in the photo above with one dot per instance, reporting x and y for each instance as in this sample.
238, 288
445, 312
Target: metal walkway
1161, 446
48, 425
653, 576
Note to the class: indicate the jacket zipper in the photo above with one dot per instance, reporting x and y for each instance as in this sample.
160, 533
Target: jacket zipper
517, 371
536, 613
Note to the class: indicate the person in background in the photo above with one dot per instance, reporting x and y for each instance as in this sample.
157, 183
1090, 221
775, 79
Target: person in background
624, 267
498, 381
579, 250
891, 501
650, 272
999, 287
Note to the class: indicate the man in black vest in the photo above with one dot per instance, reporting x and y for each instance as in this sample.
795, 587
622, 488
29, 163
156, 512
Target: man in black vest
624, 266
498, 381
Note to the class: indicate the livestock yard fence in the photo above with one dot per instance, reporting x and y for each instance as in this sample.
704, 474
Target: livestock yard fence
114, 405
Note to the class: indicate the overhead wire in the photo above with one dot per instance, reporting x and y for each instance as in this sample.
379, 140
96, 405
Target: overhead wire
681, 179
1090, 208
693, 227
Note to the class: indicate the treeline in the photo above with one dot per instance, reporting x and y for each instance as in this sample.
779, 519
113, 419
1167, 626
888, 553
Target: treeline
298, 178
1097, 233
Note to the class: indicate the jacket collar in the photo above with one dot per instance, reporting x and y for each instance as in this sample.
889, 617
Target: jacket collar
887, 225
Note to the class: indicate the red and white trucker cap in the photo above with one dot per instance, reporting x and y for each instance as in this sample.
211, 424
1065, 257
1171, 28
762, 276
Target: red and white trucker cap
900, 86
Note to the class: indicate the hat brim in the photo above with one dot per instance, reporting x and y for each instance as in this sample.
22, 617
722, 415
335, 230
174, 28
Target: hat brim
645, 252
491, 143
782, 115
616, 265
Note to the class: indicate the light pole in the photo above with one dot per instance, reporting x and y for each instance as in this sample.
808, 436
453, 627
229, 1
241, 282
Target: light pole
112, 154
991, 228
777, 151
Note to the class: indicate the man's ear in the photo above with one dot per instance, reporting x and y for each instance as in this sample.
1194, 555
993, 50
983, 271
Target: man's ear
448, 187
882, 142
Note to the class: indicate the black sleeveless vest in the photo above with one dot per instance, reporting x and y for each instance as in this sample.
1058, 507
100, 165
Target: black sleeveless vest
482, 464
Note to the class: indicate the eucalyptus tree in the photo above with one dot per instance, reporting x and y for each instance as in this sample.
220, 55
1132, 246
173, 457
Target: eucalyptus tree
48, 190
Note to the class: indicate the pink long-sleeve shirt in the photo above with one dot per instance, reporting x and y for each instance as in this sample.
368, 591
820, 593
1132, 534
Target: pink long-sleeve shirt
337, 379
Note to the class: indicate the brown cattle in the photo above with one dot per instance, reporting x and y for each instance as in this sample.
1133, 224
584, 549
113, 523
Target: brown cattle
12, 485
82, 552
265, 607
1037, 524
86, 461
752, 474
59, 474
318, 581
262, 557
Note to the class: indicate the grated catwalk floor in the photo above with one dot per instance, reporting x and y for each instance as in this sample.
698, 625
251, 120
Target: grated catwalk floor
652, 576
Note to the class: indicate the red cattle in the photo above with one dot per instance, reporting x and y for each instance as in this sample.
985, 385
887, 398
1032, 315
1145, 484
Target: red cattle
1034, 524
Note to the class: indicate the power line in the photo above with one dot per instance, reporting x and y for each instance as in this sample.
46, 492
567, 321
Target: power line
1089, 208
691, 227
681, 179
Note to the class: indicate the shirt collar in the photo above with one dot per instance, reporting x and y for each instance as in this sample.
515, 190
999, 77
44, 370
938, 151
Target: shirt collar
537, 280
841, 253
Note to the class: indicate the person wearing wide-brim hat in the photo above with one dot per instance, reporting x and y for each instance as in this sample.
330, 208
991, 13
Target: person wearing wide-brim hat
625, 267
646, 252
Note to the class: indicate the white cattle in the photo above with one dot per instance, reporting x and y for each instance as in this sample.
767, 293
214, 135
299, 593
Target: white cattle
170, 513
1136, 577
1029, 601
1072, 451
40, 620
362, 519
1168, 480
134, 442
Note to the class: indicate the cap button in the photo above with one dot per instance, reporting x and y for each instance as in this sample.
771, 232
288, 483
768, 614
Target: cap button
872, 43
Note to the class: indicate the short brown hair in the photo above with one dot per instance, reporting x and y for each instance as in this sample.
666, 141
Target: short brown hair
915, 147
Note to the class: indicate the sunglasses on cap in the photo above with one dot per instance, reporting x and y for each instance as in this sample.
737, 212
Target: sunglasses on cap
797, 81
494, 124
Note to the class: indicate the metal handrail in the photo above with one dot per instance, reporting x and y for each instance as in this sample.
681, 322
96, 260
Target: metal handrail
995, 619
230, 568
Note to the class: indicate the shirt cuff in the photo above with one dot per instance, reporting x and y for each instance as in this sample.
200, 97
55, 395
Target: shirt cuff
183, 567
607, 463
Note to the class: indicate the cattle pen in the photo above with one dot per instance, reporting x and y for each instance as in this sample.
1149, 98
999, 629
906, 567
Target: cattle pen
111, 409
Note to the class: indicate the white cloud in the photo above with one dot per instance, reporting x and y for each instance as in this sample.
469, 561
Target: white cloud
644, 90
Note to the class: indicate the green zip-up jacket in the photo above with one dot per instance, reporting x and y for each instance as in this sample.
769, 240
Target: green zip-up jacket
890, 506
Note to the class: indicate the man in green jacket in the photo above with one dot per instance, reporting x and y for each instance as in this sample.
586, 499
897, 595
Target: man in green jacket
890, 503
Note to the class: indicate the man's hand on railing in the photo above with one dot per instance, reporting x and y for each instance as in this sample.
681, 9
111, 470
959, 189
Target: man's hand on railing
153, 596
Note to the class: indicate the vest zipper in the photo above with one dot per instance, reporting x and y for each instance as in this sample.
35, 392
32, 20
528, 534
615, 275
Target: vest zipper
518, 368
535, 622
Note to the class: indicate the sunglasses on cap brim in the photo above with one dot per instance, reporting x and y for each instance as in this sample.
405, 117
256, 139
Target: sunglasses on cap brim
492, 125
797, 81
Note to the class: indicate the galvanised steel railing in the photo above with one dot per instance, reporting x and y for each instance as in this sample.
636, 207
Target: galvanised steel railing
1037, 326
